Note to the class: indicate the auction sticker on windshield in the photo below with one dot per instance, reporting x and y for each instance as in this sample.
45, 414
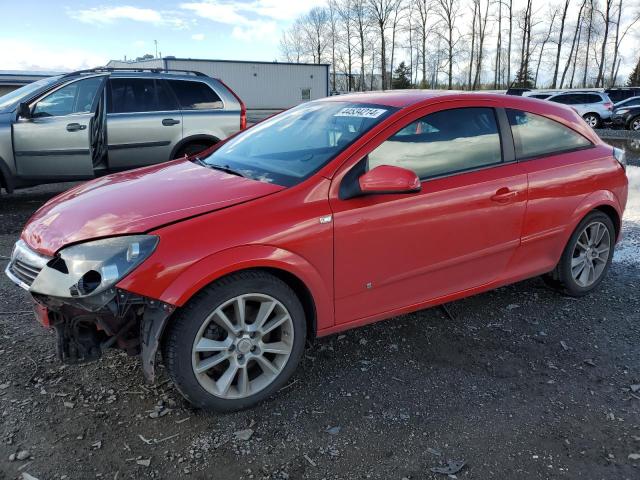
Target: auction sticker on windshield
361, 112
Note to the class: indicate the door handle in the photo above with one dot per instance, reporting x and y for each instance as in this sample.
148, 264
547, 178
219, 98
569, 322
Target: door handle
74, 127
167, 122
504, 195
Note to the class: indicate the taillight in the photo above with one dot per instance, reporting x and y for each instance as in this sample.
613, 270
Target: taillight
620, 156
608, 106
243, 117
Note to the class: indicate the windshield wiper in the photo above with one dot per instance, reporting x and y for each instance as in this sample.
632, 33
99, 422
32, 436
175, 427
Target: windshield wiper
222, 168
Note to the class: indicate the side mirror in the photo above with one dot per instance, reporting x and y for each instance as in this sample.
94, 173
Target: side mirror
389, 179
24, 111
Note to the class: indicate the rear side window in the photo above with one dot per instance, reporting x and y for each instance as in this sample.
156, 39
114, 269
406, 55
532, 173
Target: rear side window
535, 135
442, 143
133, 95
565, 99
195, 95
588, 98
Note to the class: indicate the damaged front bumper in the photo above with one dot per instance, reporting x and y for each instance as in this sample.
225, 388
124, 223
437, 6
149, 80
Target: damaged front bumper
87, 325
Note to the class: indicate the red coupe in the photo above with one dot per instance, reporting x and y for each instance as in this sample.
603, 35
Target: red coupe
331, 215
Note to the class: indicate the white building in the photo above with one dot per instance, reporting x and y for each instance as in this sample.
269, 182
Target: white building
261, 85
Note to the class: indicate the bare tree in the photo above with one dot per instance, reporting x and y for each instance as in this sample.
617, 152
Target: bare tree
424, 9
482, 30
510, 10
397, 17
563, 18
315, 24
605, 39
552, 20
473, 39
496, 75
380, 11
573, 43
344, 10
448, 12
361, 20
589, 33
618, 40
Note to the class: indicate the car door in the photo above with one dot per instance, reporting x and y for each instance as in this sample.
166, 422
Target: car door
459, 232
55, 141
144, 122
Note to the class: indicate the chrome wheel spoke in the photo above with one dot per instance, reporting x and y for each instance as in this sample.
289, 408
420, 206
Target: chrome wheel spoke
275, 323
243, 381
240, 311
279, 348
266, 366
208, 345
210, 362
225, 322
225, 381
263, 314
578, 268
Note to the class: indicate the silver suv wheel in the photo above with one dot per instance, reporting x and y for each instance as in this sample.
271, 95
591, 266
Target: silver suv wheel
592, 120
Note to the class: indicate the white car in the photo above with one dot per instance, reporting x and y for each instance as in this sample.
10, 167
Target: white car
594, 107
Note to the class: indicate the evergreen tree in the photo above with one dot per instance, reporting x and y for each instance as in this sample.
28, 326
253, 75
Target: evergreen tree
401, 77
634, 78
523, 79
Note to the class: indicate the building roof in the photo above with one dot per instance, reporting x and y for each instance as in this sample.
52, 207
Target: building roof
216, 60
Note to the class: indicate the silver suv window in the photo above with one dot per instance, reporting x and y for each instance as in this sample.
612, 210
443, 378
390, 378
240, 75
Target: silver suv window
76, 97
195, 95
137, 95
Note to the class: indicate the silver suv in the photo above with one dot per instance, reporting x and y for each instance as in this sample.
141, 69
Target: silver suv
85, 124
594, 107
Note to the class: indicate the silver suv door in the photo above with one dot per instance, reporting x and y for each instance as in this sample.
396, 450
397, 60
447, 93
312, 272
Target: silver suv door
143, 122
55, 142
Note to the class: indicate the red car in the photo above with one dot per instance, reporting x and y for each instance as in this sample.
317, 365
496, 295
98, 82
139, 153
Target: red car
331, 215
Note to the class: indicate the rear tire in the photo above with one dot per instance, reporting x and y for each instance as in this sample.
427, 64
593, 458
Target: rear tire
634, 124
222, 350
592, 119
586, 258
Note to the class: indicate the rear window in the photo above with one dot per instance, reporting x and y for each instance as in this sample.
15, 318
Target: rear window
134, 95
195, 95
535, 135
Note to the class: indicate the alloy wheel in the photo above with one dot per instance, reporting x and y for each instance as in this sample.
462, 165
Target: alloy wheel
635, 125
590, 254
591, 120
242, 346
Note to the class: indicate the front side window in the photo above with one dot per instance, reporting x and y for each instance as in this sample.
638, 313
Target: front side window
76, 97
292, 146
535, 135
442, 143
136, 95
195, 95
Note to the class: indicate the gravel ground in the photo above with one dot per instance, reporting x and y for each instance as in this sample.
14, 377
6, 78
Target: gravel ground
520, 383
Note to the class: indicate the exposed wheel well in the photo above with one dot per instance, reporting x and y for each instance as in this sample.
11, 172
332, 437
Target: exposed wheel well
613, 215
591, 113
300, 289
194, 140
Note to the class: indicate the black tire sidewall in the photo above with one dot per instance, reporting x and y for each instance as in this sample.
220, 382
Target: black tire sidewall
566, 278
180, 336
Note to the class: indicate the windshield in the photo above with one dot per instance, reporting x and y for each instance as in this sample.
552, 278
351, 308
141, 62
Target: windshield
295, 144
11, 99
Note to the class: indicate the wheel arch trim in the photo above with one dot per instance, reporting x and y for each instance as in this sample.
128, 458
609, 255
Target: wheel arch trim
254, 257
603, 200
192, 139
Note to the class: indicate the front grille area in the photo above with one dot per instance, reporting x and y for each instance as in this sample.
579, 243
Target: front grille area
24, 272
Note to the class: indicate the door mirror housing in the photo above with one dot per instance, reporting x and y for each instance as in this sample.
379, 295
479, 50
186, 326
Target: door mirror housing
389, 179
24, 111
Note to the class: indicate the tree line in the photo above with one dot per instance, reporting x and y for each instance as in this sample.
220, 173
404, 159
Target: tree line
468, 44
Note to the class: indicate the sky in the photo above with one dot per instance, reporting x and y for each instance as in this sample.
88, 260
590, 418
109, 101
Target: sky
65, 35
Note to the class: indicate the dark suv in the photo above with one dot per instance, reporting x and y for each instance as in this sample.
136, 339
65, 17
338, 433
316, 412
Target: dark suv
85, 124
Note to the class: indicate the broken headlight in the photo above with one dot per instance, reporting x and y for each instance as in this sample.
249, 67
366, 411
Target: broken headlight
90, 268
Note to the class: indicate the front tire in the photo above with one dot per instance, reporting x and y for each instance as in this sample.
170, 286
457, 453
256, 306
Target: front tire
237, 342
586, 258
592, 119
634, 124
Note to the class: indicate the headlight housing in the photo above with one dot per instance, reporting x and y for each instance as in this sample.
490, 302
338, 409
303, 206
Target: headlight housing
93, 268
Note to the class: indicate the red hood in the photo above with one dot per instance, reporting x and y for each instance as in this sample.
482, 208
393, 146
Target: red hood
135, 202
